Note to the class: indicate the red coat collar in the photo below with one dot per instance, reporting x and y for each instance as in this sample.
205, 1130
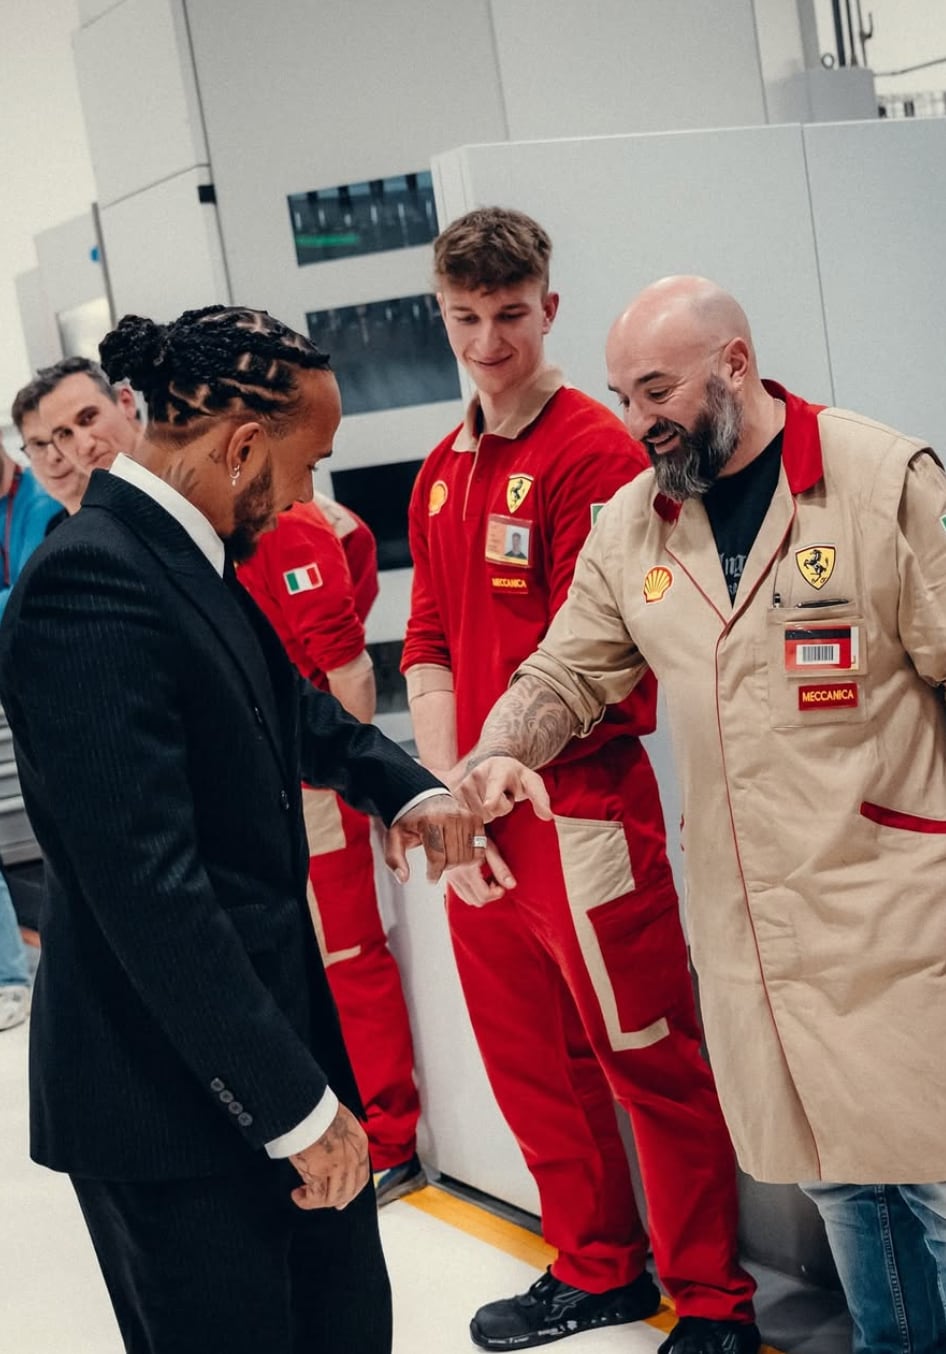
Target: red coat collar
801, 449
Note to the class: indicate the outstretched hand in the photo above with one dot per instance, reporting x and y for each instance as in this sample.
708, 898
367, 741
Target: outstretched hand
482, 884
496, 785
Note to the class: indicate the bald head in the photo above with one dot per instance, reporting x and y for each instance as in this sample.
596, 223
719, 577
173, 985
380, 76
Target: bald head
679, 317
681, 361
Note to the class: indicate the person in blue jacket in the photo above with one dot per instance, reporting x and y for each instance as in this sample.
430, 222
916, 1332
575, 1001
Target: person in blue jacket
25, 509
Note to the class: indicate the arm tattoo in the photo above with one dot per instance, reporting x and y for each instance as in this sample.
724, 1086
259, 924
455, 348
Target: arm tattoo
529, 722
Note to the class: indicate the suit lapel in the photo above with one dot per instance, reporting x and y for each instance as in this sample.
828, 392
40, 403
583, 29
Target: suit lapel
180, 560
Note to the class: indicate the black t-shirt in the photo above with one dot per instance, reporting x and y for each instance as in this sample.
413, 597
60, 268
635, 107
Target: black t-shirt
736, 505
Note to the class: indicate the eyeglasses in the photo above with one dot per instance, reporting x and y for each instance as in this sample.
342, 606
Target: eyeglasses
36, 448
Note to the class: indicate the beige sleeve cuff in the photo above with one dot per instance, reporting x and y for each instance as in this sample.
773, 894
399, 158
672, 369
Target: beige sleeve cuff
362, 663
586, 708
425, 677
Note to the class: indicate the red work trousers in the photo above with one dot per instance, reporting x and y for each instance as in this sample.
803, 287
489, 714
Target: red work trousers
579, 992
362, 973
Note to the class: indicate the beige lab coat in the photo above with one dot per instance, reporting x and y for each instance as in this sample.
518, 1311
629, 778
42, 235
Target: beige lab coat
814, 795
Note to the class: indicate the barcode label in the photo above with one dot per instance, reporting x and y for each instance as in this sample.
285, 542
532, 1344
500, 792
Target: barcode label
809, 654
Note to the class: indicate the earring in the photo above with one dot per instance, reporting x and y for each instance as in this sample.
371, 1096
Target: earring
235, 474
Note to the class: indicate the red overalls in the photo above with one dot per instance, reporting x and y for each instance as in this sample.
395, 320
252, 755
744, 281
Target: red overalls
316, 580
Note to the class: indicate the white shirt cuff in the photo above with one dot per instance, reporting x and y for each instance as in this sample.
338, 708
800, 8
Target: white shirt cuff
412, 803
309, 1131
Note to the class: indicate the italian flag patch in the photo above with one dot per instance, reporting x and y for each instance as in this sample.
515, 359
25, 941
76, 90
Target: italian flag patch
304, 579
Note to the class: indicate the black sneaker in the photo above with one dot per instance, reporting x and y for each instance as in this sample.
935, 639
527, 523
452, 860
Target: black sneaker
551, 1310
397, 1181
697, 1335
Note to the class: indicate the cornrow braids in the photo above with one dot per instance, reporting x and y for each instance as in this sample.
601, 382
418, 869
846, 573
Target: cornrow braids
211, 363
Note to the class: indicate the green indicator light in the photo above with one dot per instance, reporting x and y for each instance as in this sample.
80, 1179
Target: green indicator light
313, 240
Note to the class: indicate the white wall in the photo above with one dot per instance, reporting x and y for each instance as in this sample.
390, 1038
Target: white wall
45, 170
906, 32
607, 66
139, 94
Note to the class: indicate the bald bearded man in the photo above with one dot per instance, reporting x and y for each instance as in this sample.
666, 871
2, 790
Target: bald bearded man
783, 573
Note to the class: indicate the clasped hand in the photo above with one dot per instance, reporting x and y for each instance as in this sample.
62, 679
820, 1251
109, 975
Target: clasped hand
444, 828
492, 789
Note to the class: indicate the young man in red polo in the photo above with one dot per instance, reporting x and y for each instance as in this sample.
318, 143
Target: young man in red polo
568, 940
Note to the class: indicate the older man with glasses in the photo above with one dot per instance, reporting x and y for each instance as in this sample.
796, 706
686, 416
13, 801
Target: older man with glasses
25, 508
62, 480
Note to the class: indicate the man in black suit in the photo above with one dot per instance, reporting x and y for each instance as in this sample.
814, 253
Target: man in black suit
187, 1068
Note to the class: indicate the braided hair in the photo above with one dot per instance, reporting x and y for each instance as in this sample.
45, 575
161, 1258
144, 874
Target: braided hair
211, 363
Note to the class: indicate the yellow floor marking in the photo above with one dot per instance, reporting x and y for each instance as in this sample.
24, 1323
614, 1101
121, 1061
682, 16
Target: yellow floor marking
511, 1238
477, 1222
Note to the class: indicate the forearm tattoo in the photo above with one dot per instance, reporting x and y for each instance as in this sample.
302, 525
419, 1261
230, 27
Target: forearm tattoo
529, 722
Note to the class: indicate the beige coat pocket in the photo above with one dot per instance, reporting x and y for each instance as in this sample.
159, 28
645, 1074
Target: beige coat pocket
817, 666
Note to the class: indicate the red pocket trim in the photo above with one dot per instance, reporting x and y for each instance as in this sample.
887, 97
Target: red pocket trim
908, 822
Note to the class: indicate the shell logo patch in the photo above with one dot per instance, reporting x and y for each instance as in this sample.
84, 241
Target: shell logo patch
517, 491
656, 583
816, 564
438, 497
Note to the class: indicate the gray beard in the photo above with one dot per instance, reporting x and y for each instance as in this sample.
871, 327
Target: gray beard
695, 465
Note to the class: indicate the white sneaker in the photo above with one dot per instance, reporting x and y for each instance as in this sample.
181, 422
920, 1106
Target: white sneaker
14, 1006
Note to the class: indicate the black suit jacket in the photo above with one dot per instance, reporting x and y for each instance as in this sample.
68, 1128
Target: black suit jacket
181, 1015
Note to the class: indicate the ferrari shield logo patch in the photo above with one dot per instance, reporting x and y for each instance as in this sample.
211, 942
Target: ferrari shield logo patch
816, 564
517, 491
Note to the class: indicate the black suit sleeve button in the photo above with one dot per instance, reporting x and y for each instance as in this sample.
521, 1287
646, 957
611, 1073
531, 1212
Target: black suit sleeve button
284, 799
257, 714
235, 1108
226, 1096
245, 1120
216, 1084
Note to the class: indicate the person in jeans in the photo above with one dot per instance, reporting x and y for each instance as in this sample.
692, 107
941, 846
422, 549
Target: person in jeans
14, 966
782, 572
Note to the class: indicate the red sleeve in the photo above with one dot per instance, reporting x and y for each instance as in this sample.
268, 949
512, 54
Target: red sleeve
605, 458
425, 641
361, 552
301, 579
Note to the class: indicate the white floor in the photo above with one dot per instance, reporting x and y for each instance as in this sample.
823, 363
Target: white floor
54, 1302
